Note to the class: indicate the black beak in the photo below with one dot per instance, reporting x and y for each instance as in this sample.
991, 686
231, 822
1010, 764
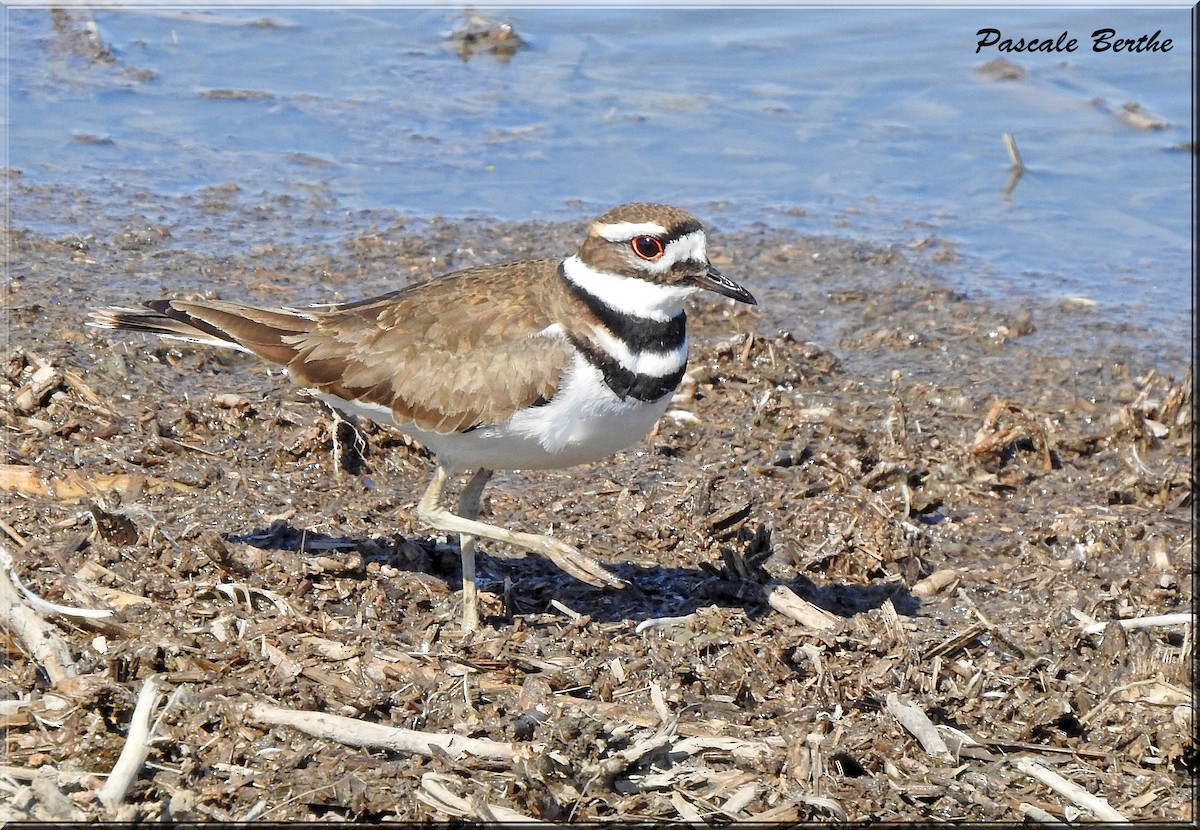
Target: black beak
714, 280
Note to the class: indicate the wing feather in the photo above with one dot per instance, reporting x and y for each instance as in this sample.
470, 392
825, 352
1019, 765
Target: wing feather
450, 354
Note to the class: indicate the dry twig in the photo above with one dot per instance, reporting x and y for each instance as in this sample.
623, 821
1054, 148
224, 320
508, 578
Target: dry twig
40, 638
44, 606
914, 719
1033, 813
786, 602
436, 794
1096, 805
71, 485
1185, 618
1014, 155
137, 746
361, 733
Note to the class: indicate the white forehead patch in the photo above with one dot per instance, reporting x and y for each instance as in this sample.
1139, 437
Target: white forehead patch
623, 231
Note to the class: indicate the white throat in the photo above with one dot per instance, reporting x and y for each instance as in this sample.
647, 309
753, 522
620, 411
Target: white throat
628, 295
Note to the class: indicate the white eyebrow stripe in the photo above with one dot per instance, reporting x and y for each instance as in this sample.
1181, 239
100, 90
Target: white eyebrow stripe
691, 247
621, 231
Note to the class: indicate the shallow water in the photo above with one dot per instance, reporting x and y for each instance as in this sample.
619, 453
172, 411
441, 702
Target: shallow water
860, 122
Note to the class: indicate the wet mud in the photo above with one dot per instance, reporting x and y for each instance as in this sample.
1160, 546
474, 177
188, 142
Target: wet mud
873, 496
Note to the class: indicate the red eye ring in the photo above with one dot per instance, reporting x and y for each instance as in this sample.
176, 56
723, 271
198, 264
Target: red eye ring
647, 247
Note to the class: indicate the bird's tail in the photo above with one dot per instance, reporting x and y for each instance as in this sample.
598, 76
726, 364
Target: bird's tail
269, 333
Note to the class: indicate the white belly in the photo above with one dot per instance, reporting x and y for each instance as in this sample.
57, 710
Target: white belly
583, 422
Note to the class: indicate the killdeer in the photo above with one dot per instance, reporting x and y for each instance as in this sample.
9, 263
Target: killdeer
536, 364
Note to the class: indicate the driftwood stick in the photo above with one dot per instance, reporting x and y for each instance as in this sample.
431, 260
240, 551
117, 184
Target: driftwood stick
608, 768
45, 606
1037, 814
137, 746
660, 623
354, 732
1184, 618
435, 792
1094, 804
39, 637
784, 600
1014, 155
914, 719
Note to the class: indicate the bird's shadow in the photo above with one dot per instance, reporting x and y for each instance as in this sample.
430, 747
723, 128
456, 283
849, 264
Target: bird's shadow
653, 591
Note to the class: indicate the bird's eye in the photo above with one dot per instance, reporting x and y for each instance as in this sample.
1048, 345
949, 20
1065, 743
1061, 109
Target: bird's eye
647, 247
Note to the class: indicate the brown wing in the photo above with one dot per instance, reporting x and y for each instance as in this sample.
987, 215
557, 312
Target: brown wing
448, 355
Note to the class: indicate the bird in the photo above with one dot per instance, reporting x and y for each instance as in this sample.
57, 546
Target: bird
527, 365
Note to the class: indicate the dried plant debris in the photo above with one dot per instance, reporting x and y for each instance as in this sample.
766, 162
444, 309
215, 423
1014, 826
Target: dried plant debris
479, 34
876, 557
1133, 114
1001, 69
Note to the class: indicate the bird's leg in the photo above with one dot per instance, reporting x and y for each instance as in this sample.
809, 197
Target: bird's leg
577, 564
469, 504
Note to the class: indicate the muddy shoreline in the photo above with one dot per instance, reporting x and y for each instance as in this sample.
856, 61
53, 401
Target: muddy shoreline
954, 490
